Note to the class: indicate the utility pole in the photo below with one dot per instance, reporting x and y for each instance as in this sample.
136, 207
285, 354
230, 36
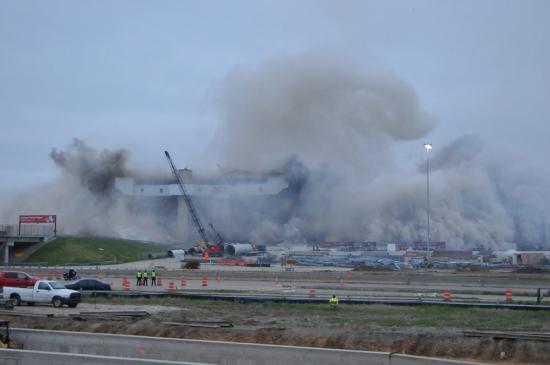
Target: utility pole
428, 147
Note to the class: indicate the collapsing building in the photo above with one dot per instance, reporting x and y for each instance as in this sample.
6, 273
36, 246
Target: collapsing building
232, 202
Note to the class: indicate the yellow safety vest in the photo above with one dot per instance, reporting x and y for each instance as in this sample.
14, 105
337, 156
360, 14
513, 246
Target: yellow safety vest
153, 274
145, 274
333, 300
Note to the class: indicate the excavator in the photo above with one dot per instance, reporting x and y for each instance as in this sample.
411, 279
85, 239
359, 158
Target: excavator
206, 245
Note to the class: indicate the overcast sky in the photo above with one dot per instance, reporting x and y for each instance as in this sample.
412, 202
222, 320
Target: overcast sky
138, 74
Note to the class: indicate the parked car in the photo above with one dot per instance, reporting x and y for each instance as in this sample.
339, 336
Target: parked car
88, 284
44, 291
16, 279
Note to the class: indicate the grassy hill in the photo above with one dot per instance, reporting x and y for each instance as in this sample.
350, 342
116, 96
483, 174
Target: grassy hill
92, 250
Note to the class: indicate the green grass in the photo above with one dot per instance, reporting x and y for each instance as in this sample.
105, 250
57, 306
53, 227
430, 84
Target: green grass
449, 317
92, 250
365, 315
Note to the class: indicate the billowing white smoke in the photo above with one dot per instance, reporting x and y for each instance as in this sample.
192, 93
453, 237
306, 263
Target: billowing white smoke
331, 128
342, 123
324, 111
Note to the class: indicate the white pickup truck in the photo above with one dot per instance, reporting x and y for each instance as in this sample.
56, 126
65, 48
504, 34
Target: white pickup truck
44, 291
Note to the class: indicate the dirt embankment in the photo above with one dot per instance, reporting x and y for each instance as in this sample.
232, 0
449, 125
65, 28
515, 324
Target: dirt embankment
292, 326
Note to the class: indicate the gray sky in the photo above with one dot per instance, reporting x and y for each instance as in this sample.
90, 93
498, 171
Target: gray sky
138, 74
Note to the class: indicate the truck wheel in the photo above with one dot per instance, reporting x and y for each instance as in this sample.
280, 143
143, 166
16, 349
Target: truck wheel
57, 302
72, 305
16, 299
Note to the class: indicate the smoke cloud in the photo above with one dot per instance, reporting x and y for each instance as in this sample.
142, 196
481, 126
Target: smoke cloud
325, 111
85, 200
330, 128
341, 123
95, 171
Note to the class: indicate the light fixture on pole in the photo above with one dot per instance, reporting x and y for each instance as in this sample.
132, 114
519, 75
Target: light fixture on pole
428, 147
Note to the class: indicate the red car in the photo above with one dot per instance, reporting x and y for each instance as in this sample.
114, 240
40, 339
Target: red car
17, 279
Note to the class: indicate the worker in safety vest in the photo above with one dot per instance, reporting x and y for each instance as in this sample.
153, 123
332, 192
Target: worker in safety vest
138, 278
153, 278
333, 302
145, 277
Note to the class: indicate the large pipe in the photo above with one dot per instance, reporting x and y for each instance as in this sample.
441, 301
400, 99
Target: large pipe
177, 254
238, 248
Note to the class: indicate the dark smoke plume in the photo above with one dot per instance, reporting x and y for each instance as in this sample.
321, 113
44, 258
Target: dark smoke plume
85, 200
96, 171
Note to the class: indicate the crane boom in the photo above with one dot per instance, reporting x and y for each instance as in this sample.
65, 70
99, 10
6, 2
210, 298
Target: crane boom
218, 235
188, 201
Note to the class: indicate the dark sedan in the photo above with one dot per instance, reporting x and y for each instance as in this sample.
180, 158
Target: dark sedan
88, 284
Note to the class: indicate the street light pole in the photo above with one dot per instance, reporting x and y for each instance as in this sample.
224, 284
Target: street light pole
428, 147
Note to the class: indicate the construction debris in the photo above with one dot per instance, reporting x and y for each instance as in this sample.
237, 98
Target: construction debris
201, 324
82, 316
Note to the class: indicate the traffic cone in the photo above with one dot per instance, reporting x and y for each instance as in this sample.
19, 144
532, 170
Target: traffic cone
342, 281
50, 275
159, 281
509, 295
204, 281
40, 275
171, 286
446, 295
312, 292
350, 273
183, 281
57, 275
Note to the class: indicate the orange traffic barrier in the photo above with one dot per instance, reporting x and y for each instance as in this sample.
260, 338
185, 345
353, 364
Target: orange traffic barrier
171, 286
57, 275
204, 281
509, 295
50, 276
159, 281
342, 281
446, 295
183, 281
312, 292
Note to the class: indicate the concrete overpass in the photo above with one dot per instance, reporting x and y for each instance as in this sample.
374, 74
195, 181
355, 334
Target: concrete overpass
15, 244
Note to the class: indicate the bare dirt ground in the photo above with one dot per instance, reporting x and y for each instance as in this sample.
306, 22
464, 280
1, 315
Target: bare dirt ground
411, 330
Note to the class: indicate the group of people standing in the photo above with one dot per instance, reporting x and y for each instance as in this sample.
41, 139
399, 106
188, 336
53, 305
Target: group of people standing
142, 278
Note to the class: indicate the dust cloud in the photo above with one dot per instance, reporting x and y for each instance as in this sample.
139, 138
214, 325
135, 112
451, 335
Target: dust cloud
85, 201
342, 123
331, 128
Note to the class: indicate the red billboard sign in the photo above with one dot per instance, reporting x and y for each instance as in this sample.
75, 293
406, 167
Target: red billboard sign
37, 218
